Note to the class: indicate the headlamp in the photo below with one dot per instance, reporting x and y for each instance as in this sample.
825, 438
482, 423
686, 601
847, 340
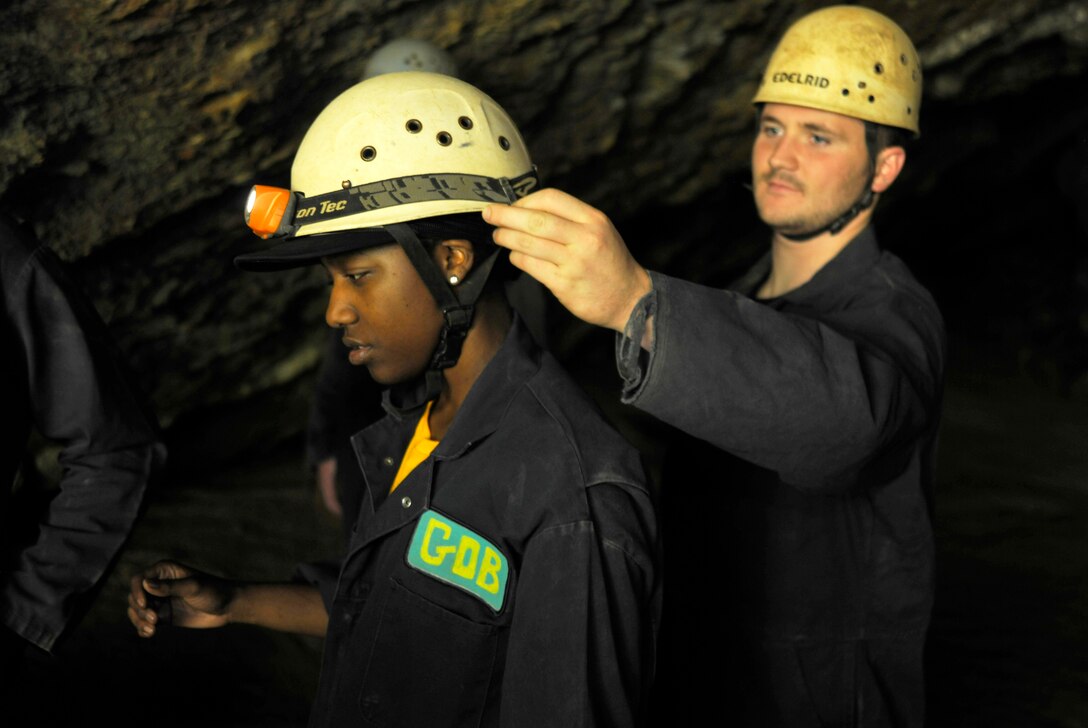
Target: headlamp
270, 211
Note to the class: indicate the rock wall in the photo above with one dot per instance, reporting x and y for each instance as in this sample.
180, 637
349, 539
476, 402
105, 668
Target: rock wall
131, 130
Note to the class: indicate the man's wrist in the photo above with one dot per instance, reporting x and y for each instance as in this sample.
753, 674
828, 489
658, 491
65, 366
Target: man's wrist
638, 292
638, 326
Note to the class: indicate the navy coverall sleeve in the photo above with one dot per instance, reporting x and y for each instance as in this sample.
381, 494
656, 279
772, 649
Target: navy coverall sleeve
581, 645
67, 384
811, 395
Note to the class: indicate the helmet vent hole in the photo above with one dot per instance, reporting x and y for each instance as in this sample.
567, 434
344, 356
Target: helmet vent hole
872, 99
414, 126
444, 138
878, 68
504, 143
846, 92
909, 111
862, 84
465, 122
903, 58
367, 154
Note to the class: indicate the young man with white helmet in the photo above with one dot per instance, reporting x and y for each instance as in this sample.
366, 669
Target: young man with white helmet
501, 571
821, 369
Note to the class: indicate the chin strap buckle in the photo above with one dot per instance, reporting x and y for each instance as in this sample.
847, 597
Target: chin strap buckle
452, 338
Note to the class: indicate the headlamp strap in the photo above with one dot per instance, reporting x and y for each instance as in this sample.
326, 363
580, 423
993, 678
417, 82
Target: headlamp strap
389, 193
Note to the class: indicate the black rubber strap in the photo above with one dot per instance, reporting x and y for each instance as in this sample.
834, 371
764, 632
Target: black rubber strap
457, 306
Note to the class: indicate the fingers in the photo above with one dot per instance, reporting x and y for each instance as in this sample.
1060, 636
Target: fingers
167, 570
543, 224
141, 612
560, 204
530, 232
163, 579
543, 271
149, 588
575, 251
143, 619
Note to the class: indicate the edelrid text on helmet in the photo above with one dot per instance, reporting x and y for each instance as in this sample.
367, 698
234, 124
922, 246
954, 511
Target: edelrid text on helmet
848, 60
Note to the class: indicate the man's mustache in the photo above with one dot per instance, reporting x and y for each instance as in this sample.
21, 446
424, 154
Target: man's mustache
783, 177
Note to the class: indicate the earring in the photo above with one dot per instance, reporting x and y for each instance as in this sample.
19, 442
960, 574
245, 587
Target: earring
454, 280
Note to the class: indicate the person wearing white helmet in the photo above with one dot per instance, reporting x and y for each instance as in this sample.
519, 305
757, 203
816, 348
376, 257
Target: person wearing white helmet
815, 381
502, 567
332, 419
346, 399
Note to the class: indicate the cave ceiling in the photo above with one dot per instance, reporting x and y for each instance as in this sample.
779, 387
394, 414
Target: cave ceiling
131, 130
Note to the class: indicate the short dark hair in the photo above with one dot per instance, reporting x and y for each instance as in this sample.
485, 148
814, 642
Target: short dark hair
879, 137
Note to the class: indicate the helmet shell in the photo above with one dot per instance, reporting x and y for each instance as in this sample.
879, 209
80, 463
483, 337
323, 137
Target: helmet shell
400, 125
848, 60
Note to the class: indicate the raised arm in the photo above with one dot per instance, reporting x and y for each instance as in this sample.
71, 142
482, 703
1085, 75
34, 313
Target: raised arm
814, 399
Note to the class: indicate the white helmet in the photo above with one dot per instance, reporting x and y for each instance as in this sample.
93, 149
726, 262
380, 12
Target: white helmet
397, 157
396, 148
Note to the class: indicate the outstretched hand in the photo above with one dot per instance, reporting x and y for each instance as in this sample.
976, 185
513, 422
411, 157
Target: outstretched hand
574, 250
171, 593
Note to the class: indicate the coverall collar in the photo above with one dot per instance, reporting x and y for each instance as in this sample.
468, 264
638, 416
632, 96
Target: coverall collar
381, 444
486, 402
857, 256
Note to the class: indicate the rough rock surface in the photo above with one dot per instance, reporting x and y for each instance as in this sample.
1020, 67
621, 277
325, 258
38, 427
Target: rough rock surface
131, 129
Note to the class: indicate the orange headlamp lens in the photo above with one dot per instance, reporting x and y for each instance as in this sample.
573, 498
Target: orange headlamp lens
265, 209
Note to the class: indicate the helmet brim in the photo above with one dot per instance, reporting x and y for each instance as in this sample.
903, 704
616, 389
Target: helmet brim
310, 249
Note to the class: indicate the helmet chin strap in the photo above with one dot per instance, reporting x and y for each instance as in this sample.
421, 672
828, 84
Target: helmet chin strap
457, 305
836, 225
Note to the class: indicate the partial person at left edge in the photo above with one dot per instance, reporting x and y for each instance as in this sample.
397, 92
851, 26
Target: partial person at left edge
62, 379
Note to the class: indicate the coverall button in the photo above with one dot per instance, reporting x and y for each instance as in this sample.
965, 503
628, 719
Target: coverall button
387, 462
406, 502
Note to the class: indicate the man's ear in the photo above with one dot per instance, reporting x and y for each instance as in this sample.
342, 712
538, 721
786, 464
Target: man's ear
889, 163
455, 258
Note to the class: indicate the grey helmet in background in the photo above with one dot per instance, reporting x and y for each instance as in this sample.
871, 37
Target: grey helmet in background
409, 54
